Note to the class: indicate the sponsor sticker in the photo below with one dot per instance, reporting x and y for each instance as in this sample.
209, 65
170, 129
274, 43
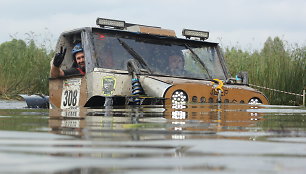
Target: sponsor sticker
108, 85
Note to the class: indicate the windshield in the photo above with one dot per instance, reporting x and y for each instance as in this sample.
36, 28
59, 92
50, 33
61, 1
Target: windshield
161, 57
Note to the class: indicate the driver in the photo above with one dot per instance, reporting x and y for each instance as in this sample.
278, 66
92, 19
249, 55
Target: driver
176, 64
78, 67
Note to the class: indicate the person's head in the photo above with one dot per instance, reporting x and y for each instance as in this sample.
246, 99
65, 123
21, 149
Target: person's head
78, 55
176, 63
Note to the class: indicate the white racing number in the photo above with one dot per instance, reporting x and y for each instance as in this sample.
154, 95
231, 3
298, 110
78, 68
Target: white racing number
71, 93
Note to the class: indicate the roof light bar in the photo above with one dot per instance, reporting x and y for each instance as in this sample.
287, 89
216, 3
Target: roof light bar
103, 22
203, 35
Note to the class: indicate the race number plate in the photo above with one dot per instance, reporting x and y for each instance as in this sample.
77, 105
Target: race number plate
71, 93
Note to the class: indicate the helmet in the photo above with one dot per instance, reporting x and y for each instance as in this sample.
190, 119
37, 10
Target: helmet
77, 48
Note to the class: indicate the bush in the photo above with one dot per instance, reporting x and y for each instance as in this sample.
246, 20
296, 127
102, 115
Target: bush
24, 68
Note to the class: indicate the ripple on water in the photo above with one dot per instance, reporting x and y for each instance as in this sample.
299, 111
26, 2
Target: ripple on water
201, 138
12, 104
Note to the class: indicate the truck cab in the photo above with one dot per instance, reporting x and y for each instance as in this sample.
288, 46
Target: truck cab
137, 64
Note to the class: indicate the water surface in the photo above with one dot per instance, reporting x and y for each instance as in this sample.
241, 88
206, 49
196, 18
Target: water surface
199, 138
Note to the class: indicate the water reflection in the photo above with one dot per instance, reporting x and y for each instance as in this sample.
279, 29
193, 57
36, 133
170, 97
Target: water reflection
158, 122
179, 122
141, 139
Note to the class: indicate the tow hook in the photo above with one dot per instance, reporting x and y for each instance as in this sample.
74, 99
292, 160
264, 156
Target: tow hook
218, 88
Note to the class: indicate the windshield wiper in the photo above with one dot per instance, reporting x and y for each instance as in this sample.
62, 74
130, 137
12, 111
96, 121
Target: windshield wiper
135, 55
197, 58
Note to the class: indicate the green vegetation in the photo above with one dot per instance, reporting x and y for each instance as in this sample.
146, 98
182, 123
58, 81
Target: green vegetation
24, 68
272, 67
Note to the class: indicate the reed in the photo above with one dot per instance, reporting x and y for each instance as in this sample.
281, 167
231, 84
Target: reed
275, 67
24, 68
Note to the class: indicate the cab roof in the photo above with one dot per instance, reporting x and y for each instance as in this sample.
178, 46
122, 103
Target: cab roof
136, 33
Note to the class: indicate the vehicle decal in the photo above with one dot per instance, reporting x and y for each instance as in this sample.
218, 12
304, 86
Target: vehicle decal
108, 85
214, 92
101, 36
71, 93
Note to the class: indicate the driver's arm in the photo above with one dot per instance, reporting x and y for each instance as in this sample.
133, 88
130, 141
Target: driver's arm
56, 72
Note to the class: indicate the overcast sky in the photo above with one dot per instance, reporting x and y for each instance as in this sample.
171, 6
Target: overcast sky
244, 23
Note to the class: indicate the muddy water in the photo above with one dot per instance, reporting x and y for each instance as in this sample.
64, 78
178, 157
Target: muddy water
153, 139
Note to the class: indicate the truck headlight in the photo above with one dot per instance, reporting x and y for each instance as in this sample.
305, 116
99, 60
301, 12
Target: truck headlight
179, 97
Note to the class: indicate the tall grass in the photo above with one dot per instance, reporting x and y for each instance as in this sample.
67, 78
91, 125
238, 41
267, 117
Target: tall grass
275, 67
24, 68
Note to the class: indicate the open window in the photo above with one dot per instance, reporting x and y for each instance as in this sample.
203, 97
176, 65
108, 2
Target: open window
68, 41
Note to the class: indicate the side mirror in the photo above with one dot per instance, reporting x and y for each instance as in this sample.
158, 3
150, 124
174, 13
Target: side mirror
242, 78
